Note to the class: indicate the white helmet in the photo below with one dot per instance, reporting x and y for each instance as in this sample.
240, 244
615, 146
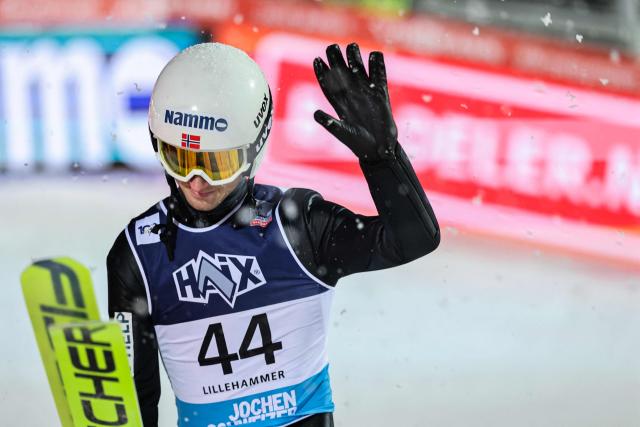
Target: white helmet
210, 114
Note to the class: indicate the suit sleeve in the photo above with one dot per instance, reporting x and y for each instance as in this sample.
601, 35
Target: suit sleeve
127, 294
332, 241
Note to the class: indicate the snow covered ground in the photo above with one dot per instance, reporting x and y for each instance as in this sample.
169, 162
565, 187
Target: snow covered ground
481, 333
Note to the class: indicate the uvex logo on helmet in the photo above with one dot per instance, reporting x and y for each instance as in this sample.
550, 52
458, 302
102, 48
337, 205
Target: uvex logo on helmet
261, 112
195, 121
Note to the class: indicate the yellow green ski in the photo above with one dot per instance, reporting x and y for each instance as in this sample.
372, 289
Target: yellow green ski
84, 359
95, 371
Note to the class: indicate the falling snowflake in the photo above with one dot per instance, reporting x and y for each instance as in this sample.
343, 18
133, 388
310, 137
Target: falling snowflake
614, 56
290, 210
546, 19
476, 31
427, 98
604, 81
139, 306
579, 37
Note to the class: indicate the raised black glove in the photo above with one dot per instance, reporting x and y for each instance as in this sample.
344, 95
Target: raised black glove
361, 101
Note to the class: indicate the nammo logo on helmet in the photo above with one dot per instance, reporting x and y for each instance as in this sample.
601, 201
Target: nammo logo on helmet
195, 121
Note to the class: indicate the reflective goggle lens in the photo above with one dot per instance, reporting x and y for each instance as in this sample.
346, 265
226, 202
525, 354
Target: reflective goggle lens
218, 165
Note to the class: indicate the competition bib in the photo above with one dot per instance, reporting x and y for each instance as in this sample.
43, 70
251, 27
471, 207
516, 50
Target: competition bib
241, 324
265, 366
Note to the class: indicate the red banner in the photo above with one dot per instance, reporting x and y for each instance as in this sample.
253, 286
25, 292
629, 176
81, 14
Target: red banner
547, 148
489, 140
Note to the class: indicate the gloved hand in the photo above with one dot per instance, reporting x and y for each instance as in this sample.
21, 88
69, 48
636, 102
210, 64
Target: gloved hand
361, 101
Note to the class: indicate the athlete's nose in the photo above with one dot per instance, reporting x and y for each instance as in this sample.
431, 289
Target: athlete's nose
197, 183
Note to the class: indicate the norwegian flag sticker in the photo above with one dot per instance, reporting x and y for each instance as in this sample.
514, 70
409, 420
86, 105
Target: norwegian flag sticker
190, 141
261, 220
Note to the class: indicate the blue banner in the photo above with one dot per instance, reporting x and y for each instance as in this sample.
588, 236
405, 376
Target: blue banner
80, 97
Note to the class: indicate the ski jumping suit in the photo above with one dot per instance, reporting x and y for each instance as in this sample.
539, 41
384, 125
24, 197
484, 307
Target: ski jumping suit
240, 316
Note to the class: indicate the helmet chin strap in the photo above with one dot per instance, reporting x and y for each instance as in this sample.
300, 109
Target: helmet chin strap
169, 232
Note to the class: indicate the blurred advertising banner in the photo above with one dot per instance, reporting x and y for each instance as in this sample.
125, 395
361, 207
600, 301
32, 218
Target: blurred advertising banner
239, 21
508, 52
96, 12
512, 135
80, 96
498, 151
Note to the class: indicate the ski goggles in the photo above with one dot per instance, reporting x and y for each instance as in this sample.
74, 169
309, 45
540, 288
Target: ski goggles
216, 167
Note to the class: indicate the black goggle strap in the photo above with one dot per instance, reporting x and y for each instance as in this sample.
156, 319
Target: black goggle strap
154, 141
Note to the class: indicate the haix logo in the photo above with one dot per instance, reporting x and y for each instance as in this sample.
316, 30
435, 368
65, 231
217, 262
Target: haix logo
226, 275
195, 121
263, 110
